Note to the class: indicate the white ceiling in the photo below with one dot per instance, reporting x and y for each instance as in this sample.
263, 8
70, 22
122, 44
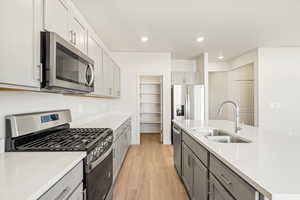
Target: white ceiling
231, 27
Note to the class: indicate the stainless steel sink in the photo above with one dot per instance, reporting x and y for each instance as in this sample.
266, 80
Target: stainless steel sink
211, 132
227, 139
221, 136
218, 132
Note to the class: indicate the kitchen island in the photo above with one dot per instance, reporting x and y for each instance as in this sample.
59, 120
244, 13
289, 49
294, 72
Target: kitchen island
268, 163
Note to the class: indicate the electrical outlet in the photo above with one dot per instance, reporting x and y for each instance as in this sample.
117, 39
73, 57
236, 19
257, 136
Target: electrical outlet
275, 105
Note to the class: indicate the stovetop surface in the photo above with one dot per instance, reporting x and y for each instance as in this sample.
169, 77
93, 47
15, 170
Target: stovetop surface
72, 139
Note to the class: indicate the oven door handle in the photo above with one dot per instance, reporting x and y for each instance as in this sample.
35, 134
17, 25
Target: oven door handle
100, 159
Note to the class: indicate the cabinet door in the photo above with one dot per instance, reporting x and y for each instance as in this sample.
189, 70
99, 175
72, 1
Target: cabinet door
79, 33
129, 134
124, 146
189, 77
56, 18
116, 81
187, 169
217, 191
108, 75
95, 52
18, 57
77, 194
198, 78
116, 158
200, 184
177, 148
178, 78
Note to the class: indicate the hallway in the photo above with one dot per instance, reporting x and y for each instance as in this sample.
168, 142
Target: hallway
148, 173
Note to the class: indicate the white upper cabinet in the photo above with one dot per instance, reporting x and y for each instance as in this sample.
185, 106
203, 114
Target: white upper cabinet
95, 52
180, 78
78, 33
59, 18
108, 75
21, 22
19, 48
56, 18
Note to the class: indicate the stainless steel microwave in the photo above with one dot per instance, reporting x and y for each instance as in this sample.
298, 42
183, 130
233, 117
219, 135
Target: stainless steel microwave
65, 69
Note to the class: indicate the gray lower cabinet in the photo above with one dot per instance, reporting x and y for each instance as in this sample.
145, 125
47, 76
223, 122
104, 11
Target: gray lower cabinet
197, 163
187, 169
200, 184
217, 191
194, 175
239, 188
177, 148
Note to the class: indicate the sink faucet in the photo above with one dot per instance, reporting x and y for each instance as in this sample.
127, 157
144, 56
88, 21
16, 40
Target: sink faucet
237, 114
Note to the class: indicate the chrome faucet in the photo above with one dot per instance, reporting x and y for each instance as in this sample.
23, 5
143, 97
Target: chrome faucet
237, 114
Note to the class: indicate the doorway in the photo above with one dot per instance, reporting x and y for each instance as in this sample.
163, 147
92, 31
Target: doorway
150, 105
236, 85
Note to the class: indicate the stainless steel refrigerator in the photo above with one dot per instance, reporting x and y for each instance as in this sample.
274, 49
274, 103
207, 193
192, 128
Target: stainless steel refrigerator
188, 102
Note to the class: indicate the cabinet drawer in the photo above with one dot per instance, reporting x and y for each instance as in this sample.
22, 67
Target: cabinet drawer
217, 191
65, 186
232, 182
199, 150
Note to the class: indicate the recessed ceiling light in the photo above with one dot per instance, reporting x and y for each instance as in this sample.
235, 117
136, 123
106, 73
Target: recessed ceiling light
144, 39
200, 39
220, 57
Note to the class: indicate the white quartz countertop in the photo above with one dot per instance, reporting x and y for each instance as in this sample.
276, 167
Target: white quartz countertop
110, 120
28, 175
270, 163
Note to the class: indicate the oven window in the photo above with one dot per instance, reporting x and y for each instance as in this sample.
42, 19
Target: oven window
69, 66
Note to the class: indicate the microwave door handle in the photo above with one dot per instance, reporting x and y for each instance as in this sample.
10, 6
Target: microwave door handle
90, 82
93, 75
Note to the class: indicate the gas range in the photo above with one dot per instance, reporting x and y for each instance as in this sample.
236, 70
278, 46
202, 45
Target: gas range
50, 131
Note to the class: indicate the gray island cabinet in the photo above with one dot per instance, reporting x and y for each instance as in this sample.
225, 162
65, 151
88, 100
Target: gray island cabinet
206, 177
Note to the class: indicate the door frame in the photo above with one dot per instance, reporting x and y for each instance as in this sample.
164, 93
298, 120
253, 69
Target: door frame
138, 117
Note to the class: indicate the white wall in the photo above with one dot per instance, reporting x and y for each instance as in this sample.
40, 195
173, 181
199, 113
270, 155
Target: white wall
134, 64
23, 102
279, 96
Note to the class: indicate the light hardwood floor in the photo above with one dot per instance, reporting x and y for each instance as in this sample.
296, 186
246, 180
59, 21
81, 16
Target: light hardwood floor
148, 173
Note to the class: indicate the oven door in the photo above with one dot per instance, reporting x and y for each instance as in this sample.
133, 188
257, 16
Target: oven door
99, 179
65, 68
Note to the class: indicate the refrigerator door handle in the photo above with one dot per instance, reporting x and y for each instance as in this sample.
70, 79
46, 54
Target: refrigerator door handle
186, 108
187, 105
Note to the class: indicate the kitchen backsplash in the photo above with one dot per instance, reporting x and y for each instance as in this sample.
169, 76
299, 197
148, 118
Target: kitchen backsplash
23, 102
